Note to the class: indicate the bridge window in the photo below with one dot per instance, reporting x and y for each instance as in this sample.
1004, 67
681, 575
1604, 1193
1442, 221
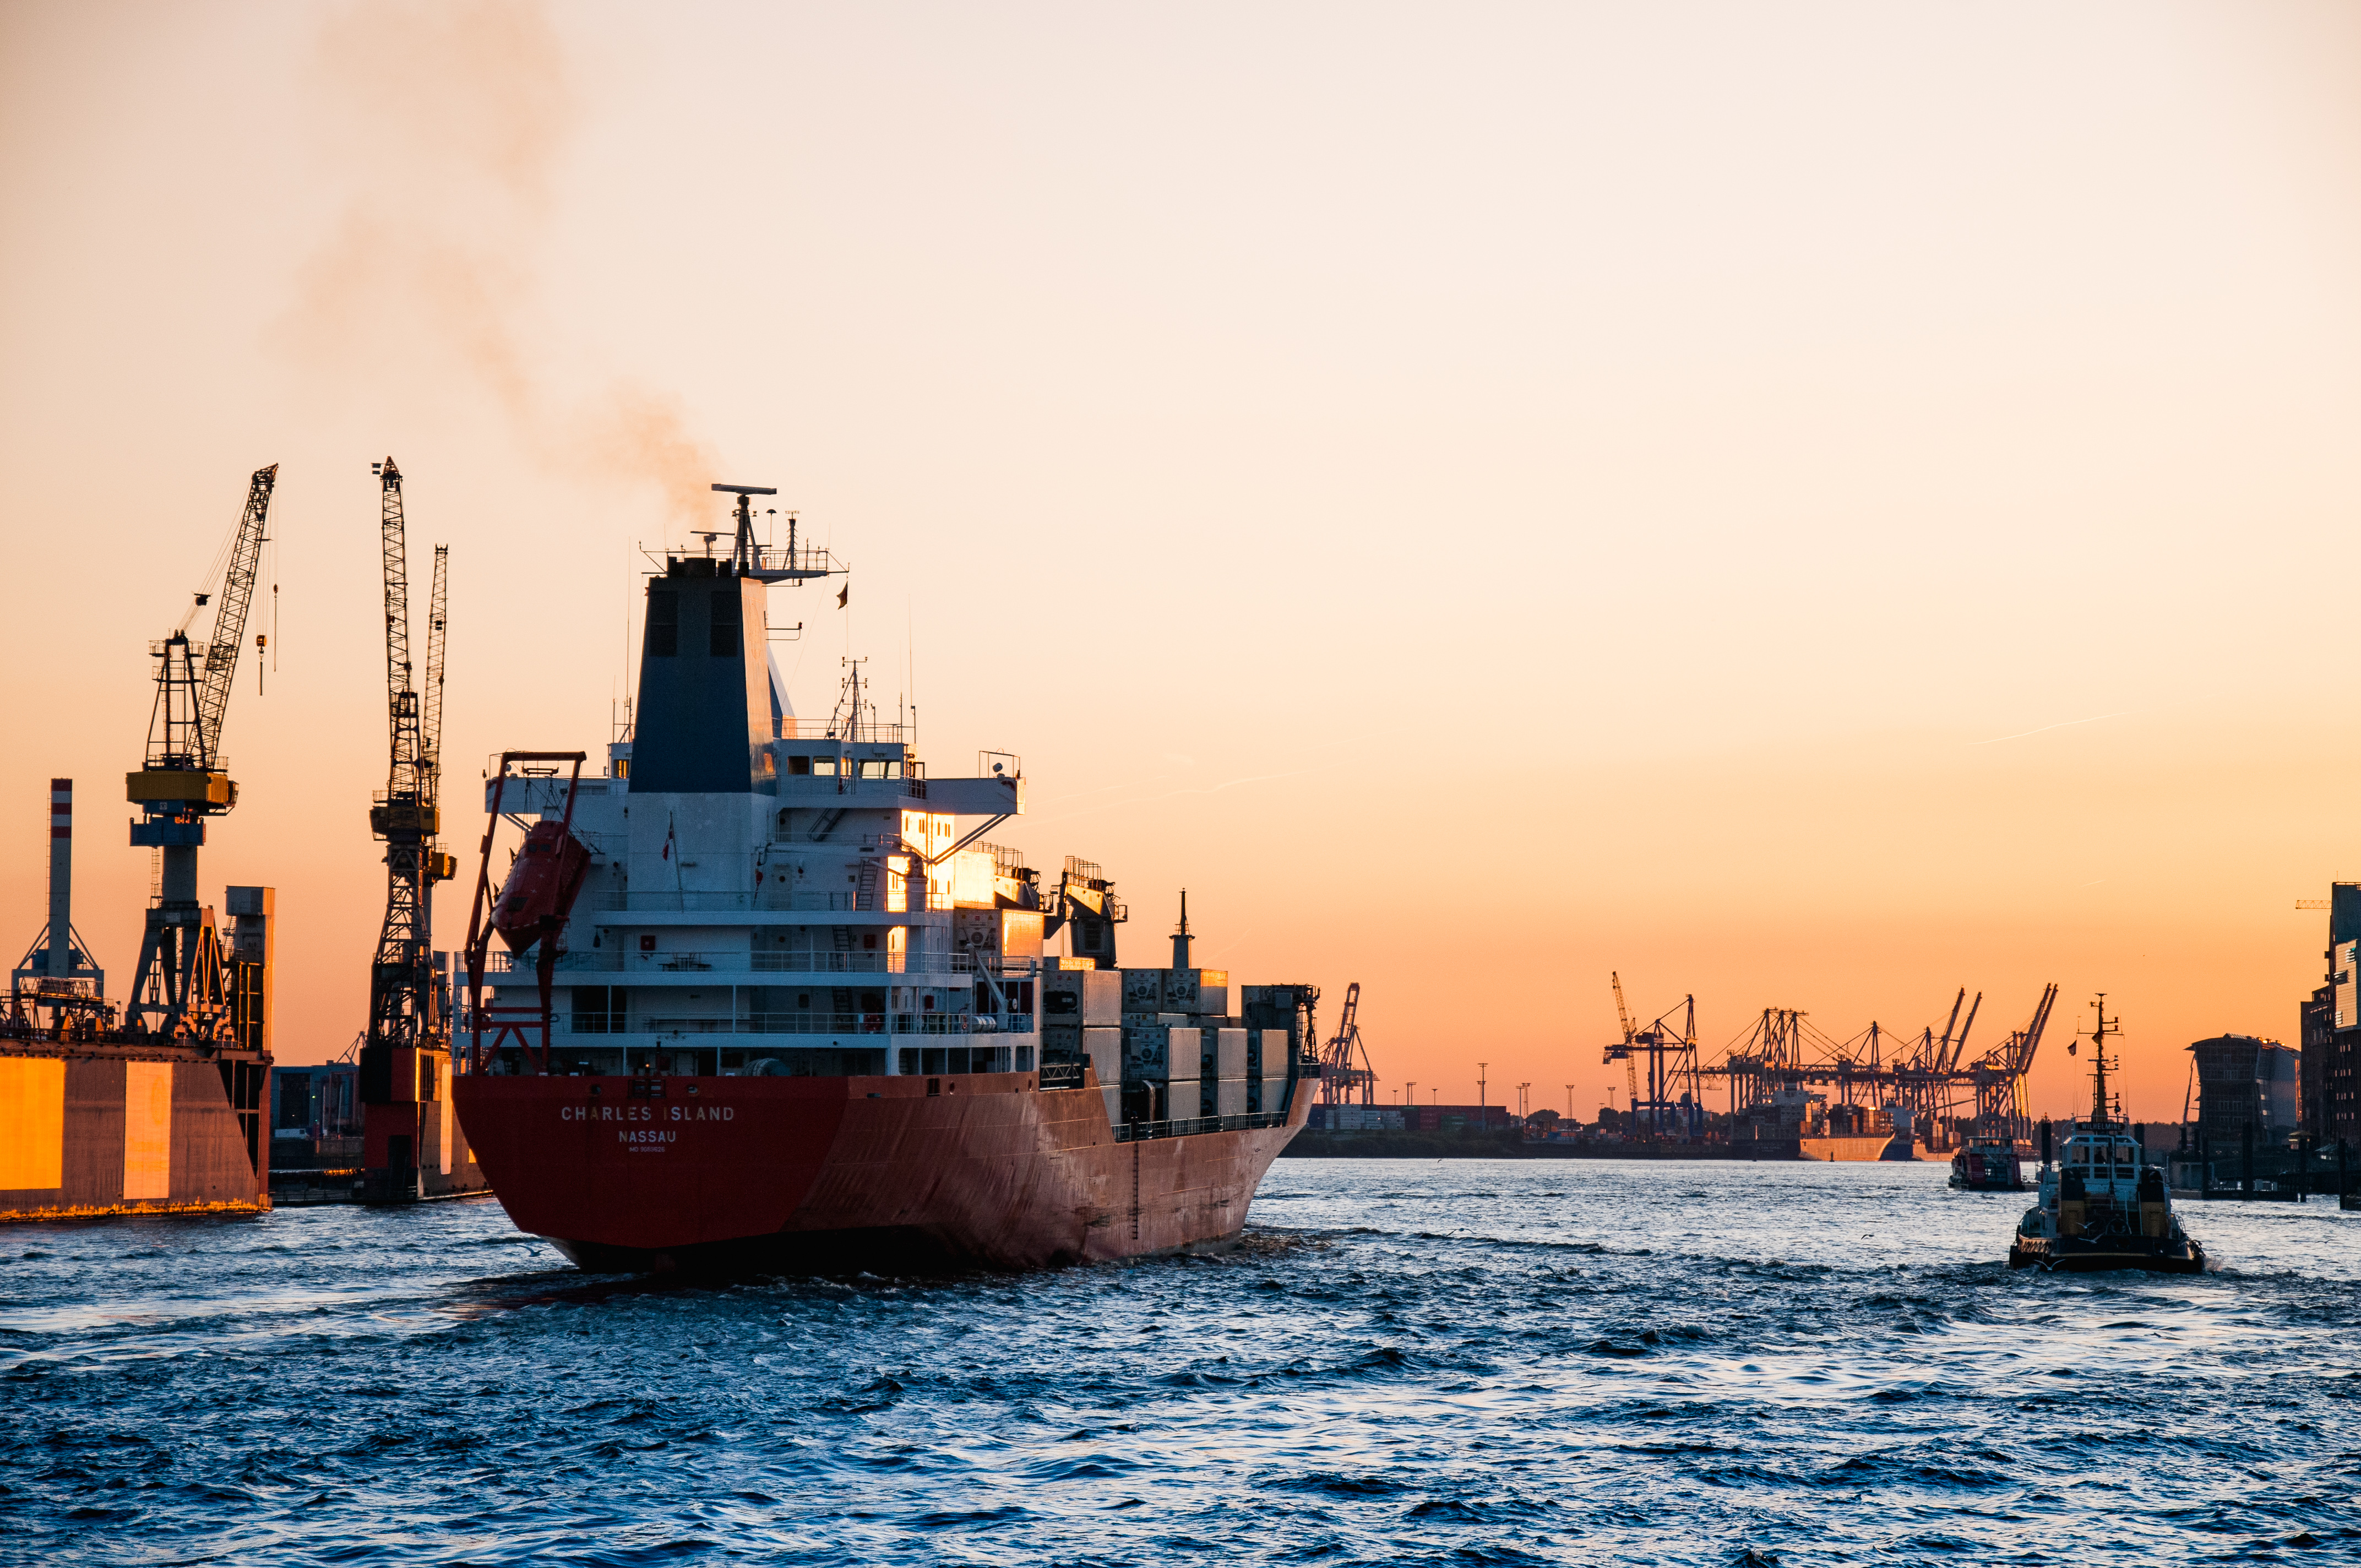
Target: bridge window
723, 632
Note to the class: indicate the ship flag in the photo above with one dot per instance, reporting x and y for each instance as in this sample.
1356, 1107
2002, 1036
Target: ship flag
843, 594
668, 838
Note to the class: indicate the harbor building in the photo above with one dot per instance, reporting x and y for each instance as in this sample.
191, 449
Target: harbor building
2330, 1037
2247, 1086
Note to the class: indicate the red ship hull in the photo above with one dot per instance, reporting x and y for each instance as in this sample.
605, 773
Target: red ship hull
798, 1173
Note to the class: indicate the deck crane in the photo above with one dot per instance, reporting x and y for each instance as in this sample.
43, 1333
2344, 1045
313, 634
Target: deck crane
179, 989
404, 1057
1338, 1076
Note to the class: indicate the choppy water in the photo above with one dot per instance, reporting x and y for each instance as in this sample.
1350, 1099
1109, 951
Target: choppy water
1463, 1363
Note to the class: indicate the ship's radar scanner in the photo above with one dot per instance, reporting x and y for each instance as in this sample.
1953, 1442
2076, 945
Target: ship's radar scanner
764, 563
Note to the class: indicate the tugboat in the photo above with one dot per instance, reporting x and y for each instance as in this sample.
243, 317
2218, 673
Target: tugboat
2102, 1205
1988, 1164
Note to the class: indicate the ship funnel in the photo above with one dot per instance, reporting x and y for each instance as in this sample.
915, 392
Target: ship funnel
1180, 938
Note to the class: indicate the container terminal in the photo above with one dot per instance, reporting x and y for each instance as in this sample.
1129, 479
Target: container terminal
1789, 1092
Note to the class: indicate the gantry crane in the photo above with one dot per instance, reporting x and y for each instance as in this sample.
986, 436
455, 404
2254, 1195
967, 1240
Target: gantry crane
1782, 1051
180, 987
2002, 1111
403, 1057
1339, 1078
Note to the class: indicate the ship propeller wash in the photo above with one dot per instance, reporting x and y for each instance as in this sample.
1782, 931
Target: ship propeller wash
765, 996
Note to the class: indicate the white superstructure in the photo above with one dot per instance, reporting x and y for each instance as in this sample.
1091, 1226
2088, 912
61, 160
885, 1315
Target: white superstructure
770, 894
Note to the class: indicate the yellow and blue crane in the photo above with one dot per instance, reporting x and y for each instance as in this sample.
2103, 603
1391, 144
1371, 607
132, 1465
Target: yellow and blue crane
181, 987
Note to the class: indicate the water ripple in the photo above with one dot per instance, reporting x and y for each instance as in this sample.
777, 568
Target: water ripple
1474, 1363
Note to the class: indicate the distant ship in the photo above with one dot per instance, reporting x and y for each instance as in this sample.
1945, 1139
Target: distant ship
1796, 1123
1988, 1165
770, 1001
2103, 1206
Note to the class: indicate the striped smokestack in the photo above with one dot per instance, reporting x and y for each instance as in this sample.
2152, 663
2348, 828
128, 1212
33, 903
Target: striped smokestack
60, 879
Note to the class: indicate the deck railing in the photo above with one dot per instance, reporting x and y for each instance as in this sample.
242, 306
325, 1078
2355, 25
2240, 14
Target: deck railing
728, 902
791, 1023
615, 960
1136, 1131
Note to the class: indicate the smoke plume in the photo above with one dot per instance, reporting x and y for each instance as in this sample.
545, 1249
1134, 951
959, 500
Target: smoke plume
451, 121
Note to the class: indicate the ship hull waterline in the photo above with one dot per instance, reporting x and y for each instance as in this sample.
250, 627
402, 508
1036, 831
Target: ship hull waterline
2071, 1255
832, 1174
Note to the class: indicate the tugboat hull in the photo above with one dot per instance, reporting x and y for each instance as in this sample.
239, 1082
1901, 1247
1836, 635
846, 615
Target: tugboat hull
2079, 1254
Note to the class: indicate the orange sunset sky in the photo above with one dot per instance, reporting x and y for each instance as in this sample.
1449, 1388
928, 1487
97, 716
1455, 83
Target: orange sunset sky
1810, 505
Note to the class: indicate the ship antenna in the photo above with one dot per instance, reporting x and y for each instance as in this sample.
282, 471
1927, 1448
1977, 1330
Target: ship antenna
2099, 1033
745, 550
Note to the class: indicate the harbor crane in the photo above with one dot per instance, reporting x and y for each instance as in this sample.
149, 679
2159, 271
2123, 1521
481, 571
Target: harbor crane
184, 986
1782, 1051
1671, 1055
1624, 1052
2002, 1111
407, 1005
1339, 1078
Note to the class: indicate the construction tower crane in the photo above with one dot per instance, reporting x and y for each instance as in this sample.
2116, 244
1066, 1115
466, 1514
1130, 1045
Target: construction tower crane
179, 987
407, 1047
1339, 1078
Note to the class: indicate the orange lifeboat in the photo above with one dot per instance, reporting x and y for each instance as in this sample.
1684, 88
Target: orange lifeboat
541, 887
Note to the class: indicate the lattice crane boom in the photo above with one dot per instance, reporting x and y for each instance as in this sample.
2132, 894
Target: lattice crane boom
1630, 1058
431, 696
407, 1013
229, 617
401, 696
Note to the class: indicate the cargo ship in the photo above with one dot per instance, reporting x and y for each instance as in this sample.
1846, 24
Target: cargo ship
764, 997
1796, 1123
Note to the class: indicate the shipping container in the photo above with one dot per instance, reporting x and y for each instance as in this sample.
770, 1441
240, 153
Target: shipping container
1103, 1048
